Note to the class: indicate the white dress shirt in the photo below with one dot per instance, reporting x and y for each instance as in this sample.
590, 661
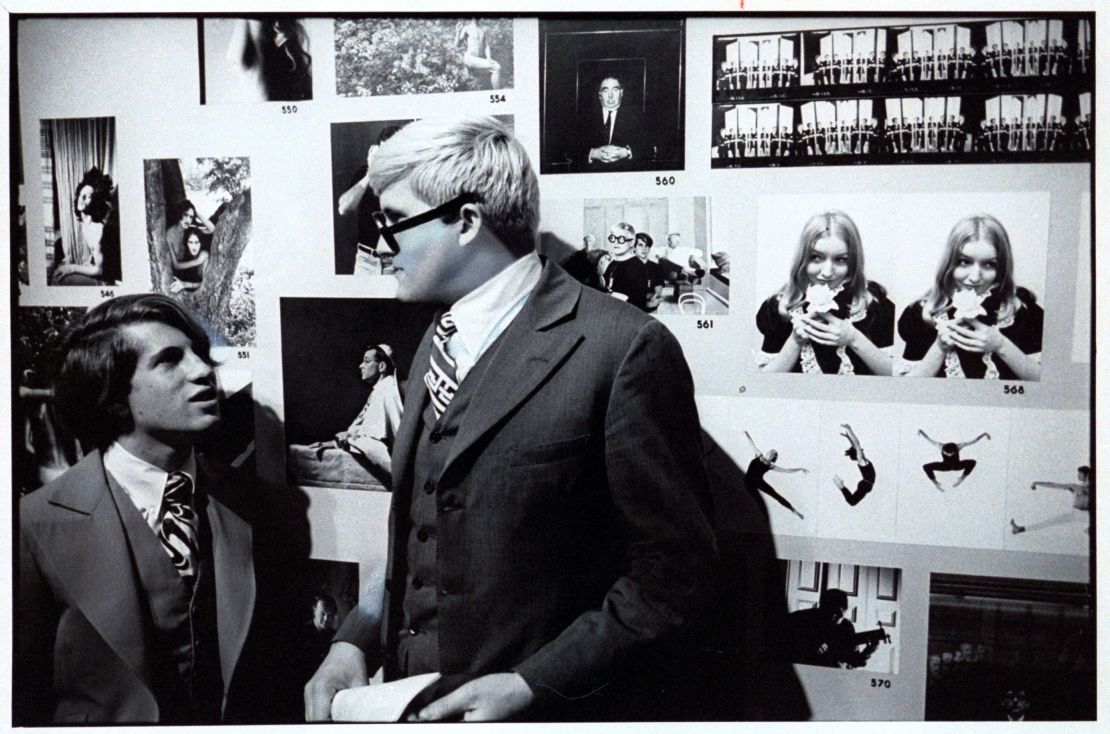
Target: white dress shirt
483, 314
142, 482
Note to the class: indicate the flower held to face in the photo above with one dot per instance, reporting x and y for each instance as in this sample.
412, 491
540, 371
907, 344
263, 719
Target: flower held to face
820, 298
968, 303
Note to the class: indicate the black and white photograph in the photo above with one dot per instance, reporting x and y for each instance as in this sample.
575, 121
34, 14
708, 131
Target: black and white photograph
397, 386
825, 308
962, 55
953, 476
858, 473
394, 56
1049, 491
845, 56
80, 201
777, 447
842, 615
354, 201
814, 469
975, 312
612, 95
199, 234
755, 62
43, 448
353, 144
1009, 649
755, 134
957, 92
262, 59
345, 364
658, 253
333, 591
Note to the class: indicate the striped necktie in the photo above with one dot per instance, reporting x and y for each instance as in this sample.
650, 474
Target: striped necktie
178, 528
440, 378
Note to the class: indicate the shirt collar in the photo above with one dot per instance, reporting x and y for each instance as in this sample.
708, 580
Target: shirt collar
479, 313
142, 481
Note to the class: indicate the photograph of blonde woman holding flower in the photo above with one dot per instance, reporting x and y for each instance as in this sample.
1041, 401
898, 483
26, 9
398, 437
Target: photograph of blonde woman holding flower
828, 317
975, 322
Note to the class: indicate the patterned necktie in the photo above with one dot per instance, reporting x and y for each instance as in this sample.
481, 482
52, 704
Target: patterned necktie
609, 127
178, 529
440, 378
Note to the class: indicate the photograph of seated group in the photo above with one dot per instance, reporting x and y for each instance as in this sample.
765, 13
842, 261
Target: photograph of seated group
641, 368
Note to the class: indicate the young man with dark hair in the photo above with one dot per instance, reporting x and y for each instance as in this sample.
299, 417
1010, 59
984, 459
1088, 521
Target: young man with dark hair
136, 569
549, 540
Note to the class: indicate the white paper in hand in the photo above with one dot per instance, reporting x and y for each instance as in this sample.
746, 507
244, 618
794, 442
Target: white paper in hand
382, 702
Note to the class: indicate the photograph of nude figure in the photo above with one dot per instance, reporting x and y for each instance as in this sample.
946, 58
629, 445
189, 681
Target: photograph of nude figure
258, 59
384, 56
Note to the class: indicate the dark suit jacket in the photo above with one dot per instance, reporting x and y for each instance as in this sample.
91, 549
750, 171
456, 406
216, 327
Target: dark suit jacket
83, 634
582, 542
629, 130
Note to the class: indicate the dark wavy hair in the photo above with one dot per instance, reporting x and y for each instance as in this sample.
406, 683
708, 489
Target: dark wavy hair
100, 205
286, 68
95, 378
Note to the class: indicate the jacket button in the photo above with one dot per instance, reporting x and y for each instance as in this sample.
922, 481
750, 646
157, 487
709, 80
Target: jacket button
422, 535
429, 486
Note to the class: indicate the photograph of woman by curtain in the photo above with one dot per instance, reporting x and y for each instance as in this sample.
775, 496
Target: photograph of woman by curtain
81, 206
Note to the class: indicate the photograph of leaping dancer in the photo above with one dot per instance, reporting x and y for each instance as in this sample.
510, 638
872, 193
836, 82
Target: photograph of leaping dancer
866, 469
759, 466
950, 459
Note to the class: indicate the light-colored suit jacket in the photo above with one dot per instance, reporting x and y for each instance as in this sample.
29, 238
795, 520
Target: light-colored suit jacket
84, 638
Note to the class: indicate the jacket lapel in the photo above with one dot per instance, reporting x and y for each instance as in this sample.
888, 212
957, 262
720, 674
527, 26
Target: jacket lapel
233, 561
535, 343
88, 547
416, 393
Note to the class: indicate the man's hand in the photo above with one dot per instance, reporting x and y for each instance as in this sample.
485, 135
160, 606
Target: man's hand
344, 667
609, 153
493, 697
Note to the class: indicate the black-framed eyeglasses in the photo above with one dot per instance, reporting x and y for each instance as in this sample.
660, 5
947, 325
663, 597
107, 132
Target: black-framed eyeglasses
448, 208
620, 238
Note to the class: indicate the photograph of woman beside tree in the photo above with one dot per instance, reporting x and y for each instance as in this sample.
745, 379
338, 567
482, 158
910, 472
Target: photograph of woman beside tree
198, 214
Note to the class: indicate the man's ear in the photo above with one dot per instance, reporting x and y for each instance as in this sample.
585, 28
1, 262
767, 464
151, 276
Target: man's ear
470, 217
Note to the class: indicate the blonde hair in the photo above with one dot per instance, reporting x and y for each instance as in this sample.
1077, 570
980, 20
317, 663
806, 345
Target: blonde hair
831, 223
973, 228
443, 158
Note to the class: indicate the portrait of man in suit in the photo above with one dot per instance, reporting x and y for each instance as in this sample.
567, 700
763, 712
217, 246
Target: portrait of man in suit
549, 536
136, 580
617, 133
612, 95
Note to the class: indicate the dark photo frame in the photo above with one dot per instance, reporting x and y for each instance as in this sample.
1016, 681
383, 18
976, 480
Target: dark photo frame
648, 59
